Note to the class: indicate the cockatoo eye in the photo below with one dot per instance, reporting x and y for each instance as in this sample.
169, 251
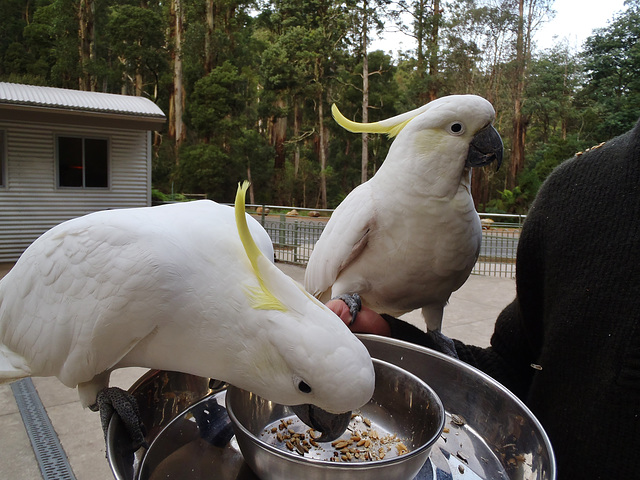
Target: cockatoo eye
456, 128
304, 387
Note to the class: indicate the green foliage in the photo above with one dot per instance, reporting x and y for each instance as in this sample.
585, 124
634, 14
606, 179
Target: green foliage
612, 65
206, 169
257, 73
135, 41
217, 101
515, 201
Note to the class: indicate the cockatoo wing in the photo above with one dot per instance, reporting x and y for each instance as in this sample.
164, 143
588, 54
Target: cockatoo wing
52, 281
88, 291
342, 241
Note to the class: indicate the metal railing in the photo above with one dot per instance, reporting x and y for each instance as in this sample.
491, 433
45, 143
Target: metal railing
294, 238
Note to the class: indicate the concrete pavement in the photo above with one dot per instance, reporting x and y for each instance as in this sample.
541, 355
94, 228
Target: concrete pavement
469, 317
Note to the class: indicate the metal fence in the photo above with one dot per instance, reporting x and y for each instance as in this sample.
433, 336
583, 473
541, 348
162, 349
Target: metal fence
294, 237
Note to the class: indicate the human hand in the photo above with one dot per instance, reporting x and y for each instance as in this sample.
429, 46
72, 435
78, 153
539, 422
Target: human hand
367, 321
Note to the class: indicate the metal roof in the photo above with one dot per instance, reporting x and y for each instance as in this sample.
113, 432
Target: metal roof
82, 101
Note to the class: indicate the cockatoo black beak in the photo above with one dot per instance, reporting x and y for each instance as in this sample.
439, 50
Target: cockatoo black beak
331, 425
485, 148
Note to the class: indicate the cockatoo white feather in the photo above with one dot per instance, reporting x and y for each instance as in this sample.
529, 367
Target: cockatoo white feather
410, 236
175, 288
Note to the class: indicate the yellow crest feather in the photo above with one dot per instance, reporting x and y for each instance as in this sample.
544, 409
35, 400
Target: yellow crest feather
375, 127
261, 298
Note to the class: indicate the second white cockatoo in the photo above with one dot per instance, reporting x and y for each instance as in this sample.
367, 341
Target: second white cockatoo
182, 287
410, 236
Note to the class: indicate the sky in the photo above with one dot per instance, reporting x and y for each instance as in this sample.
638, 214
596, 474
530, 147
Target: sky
574, 19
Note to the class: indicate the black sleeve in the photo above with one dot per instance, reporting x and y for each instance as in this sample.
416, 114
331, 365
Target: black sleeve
506, 360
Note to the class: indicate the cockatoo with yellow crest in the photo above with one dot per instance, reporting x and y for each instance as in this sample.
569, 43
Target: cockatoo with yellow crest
409, 237
184, 287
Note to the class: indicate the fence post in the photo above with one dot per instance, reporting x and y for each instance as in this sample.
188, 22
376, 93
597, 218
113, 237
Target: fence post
263, 214
282, 230
295, 242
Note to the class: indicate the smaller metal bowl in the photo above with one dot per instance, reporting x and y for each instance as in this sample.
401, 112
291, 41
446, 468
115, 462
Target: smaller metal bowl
402, 405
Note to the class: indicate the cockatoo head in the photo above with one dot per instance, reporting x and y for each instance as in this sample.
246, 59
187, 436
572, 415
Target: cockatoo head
300, 352
456, 128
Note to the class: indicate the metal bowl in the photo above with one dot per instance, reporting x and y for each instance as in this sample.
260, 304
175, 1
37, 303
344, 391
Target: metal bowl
489, 433
402, 405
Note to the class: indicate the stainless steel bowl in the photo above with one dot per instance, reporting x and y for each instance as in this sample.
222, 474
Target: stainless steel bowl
489, 433
402, 404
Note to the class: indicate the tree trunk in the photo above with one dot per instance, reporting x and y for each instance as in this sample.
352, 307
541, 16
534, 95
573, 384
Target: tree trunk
252, 199
279, 135
139, 81
208, 39
434, 51
480, 187
322, 153
365, 95
296, 134
176, 124
420, 36
519, 122
86, 34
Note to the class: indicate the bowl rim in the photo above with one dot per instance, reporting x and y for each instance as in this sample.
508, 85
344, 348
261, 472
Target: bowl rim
296, 458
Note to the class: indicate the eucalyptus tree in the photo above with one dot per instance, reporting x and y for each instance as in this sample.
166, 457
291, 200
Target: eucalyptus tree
23, 55
530, 16
367, 18
611, 59
422, 20
137, 46
52, 35
554, 77
229, 146
308, 45
384, 102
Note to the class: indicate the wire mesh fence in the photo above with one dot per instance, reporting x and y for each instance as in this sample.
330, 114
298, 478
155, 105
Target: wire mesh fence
498, 253
294, 238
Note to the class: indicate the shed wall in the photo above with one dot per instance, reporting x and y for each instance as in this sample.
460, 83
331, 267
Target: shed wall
31, 202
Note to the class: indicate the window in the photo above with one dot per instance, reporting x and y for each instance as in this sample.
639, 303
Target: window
83, 162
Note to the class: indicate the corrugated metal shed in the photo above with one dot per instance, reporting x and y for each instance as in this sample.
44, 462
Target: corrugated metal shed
31, 118
18, 102
78, 100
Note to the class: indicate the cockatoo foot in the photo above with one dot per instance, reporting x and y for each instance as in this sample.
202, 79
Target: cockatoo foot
114, 400
353, 301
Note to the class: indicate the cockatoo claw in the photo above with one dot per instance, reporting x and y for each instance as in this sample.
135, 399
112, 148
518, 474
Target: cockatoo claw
114, 400
353, 301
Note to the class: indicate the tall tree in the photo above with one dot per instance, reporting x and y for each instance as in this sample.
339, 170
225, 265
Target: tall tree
529, 17
368, 17
177, 100
425, 29
612, 66
138, 45
311, 39
365, 90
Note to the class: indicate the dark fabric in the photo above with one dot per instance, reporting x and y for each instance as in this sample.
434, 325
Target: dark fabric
114, 400
434, 340
569, 344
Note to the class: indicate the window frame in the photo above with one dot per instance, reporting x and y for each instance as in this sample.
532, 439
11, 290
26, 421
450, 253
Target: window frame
83, 138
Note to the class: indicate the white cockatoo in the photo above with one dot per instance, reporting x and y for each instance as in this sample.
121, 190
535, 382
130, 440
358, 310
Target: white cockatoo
409, 237
182, 287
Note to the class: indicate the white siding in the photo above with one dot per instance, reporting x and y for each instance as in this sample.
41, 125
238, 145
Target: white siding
30, 201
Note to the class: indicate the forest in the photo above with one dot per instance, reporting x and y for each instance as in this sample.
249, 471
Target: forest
247, 86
